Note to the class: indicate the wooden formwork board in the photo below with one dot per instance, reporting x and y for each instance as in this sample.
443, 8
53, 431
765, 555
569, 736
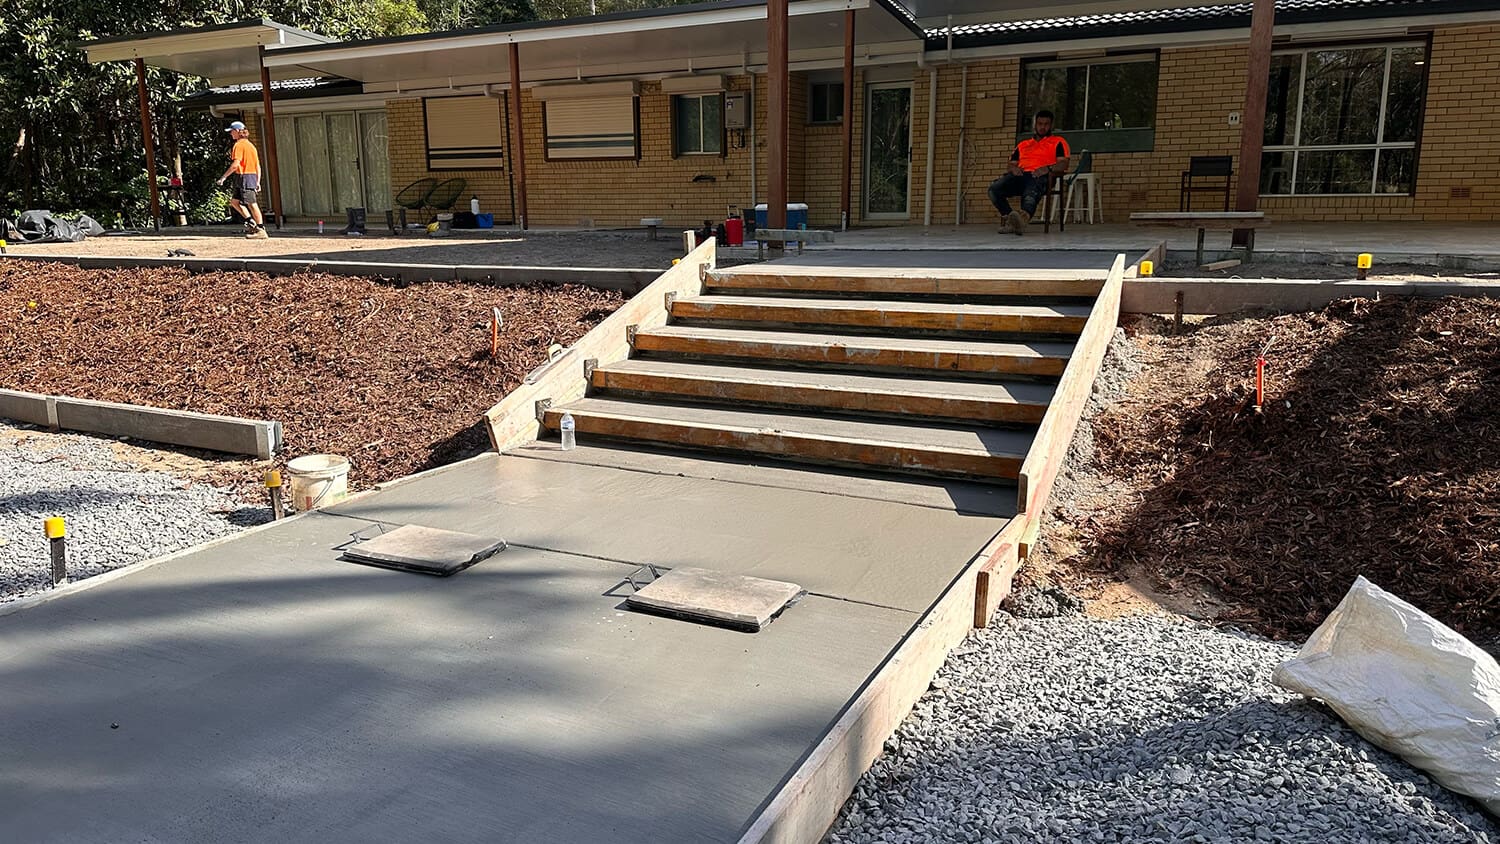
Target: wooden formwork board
808, 802
1053, 436
514, 421
1001, 560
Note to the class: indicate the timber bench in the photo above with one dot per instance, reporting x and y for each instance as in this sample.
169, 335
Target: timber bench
1205, 220
797, 236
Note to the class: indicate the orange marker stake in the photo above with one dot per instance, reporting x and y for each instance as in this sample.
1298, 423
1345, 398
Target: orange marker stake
1260, 375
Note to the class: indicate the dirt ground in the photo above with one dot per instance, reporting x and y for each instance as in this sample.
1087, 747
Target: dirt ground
1324, 272
395, 378
1377, 453
622, 249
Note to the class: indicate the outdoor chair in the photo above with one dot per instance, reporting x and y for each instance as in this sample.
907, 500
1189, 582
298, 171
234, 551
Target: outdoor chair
413, 197
1083, 173
445, 194
1055, 201
1206, 174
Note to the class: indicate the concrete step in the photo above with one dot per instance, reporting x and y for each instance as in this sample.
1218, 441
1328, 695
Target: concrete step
969, 357
888, 316
947, 283
983, 402
971, 452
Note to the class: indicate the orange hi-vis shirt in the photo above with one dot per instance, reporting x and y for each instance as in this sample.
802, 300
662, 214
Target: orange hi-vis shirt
243, 153
1035, 153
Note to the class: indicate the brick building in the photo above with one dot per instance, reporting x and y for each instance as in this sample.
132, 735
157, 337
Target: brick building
1376, 110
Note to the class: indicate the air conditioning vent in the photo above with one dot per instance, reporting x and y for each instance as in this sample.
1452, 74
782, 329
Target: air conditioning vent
1460, 193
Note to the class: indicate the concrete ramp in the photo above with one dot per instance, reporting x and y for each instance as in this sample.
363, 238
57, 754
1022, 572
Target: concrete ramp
260, 688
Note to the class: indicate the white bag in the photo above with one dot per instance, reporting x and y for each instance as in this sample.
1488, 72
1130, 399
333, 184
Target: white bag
1408, 684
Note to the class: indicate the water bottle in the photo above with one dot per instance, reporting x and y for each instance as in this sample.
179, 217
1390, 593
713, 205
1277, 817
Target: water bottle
569, 439
474, 205
320, 227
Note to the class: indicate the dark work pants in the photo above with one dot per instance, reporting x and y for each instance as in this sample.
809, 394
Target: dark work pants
1026, 186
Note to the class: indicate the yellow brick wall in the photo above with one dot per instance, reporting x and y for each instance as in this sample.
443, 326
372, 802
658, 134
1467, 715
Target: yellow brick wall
1461, 135
1197, 90
612, 193
406, 142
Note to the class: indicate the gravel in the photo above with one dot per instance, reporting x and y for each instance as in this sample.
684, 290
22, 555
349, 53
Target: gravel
1132, 730
116, 514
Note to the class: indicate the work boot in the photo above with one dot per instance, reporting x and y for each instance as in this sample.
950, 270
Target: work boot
259, 233
1015, 223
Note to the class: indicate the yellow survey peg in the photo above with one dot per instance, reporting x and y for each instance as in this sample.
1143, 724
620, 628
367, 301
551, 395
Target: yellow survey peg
1148, 268
55, 528
273, 479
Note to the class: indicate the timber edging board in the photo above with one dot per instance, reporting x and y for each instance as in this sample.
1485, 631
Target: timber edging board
228, 434
1055, 433
809, 800
515, 420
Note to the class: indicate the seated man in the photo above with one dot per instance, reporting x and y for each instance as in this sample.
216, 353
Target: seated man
1030, 165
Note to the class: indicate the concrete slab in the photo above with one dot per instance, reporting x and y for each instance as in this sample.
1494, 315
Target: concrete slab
877, 552
963, 497
713, 597
1224, 295
177, 427
31, 408
262, 690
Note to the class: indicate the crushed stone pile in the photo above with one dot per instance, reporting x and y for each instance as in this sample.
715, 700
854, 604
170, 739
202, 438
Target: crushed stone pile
1143, 729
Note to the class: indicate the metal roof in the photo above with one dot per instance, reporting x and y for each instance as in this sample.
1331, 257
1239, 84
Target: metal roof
1189, 19
223, 54
705, 37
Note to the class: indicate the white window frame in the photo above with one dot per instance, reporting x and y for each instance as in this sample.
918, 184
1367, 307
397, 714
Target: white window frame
718, 97
1296, 148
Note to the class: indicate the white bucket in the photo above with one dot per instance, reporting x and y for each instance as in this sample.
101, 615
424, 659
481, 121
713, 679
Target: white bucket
318, 480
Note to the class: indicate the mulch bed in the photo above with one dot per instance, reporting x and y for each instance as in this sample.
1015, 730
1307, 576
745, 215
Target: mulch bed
1377, 454
394, 377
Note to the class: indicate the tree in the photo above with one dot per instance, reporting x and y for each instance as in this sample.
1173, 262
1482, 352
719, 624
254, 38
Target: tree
462, 14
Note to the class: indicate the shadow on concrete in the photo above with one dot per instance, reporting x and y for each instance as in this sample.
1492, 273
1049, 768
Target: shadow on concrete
335, 702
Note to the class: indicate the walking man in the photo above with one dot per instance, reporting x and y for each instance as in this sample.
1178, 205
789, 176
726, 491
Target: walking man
244, 173
1037, 159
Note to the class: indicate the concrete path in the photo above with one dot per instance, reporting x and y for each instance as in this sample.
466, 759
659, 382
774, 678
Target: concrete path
262, 690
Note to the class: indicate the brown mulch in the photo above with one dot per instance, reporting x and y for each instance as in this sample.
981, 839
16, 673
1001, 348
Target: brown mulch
1377, 454
394, 377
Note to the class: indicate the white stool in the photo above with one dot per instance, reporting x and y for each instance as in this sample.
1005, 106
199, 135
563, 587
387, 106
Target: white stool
1092, 202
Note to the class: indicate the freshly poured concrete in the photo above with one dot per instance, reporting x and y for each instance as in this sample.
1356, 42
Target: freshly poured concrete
265, 691
883, 553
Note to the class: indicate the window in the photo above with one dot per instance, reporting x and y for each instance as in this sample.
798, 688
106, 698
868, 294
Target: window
464, 133
825, 102
591, 128
1105, 104
698, 124
592, 120
1344, 120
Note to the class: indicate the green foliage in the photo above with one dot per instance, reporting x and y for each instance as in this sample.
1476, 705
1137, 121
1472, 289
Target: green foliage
461, 14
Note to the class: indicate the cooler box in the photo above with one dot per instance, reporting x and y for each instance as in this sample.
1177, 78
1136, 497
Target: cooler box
796, 215
484, 221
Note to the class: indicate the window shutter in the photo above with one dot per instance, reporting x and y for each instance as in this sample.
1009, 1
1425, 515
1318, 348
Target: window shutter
591, 128
464, 133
